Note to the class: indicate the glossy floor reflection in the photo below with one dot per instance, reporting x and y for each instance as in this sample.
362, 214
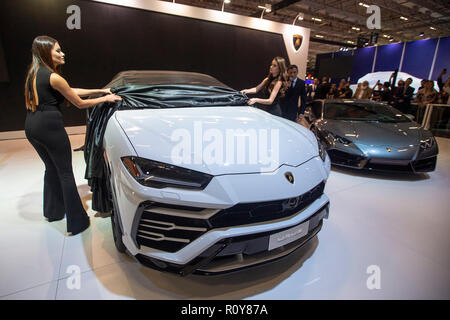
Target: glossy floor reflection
397, 223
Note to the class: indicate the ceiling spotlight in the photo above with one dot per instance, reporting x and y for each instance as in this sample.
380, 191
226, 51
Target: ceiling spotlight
225, 2
432, 28
356, 28
316, 19
319, 36
267, 7
421, 34
386, 36
391, 39
299, 16
351, 42
364, 5
403, 18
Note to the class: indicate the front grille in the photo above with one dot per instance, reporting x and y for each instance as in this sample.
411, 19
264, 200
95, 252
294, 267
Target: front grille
338, 157
388, 167
247, 213
170, 227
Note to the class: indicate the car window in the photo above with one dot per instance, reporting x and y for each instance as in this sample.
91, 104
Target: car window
363, 112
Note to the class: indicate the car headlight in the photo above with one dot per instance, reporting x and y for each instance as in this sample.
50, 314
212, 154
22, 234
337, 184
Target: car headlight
333, 139
428, 143
322, 151
161, 175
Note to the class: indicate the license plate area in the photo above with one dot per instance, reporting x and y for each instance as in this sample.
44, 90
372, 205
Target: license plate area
282, 238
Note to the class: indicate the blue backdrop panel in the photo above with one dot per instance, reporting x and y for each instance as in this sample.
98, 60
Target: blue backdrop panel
419, 57
362, 63
388, 57
343, 53
442, 59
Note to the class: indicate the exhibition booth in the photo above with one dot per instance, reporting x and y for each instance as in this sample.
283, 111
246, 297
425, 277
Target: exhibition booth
192, 187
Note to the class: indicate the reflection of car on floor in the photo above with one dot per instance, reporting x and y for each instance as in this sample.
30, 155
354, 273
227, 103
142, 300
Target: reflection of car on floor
364, 134
201, 217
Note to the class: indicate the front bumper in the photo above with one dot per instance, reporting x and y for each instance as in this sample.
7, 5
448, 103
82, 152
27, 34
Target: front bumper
171, 228
344, 159
236, 253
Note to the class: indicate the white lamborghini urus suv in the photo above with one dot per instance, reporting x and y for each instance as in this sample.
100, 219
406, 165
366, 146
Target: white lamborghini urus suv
206, 188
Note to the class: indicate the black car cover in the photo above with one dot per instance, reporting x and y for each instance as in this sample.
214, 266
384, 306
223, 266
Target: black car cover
137, 96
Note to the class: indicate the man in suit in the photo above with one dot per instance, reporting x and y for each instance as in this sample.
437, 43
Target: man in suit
312, 90
294, 101
323, 89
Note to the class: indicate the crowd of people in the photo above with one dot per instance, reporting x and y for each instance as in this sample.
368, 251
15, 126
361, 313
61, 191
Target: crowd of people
402, 96
286, 95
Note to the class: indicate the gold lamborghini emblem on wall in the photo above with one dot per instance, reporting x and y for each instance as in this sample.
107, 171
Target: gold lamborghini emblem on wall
297, 39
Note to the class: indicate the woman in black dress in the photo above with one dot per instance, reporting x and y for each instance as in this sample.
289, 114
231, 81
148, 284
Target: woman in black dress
274, 87
45, 90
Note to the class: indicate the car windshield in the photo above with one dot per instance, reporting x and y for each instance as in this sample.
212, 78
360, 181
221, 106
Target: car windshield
356, 111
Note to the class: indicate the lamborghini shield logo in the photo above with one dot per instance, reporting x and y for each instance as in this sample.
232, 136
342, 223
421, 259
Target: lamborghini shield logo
297, 40
388, 149
289, 176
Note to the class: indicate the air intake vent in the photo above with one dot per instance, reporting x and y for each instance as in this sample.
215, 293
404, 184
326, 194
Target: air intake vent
167, 232
171, 227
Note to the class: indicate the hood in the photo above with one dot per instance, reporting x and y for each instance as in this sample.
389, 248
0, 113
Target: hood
396, 135
217, 140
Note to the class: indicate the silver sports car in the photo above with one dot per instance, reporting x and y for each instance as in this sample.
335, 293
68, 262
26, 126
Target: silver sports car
364, 134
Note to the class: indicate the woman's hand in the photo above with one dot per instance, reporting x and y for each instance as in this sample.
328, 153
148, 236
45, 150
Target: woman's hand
106, 91
112, 98
245, 91
251, 101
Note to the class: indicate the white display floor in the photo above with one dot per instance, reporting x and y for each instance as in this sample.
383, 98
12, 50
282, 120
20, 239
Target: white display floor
400, 224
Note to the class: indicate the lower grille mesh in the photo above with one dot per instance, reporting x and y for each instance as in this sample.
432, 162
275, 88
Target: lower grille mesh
171, 232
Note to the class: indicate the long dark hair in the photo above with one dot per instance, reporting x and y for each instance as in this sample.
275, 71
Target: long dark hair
41, 51
282, 76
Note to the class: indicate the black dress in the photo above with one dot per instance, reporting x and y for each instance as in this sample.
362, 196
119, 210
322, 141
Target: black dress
273, 108
44, 128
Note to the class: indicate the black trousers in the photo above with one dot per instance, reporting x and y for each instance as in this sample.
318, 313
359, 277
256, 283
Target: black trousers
45, 131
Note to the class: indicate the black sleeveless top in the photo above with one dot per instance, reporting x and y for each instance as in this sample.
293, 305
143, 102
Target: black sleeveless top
271, 108
49, 98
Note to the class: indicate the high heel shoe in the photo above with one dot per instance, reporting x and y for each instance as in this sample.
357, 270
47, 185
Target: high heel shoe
80, 230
